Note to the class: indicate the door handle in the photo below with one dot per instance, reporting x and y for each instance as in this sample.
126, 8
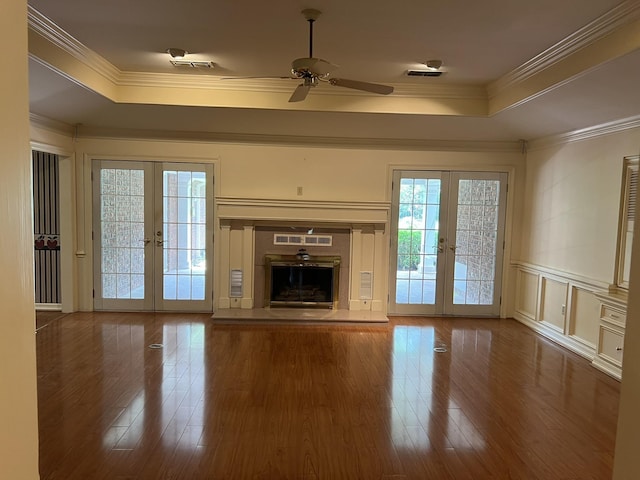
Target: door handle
159, 243
146, 241
453, 248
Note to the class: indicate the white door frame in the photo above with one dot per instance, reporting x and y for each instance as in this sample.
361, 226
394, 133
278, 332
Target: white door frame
153, 240
443, 298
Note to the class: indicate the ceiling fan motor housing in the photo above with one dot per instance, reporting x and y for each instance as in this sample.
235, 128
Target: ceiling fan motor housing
308, 67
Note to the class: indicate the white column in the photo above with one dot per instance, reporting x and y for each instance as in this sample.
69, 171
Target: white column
224, 269
356, 264
248, 254
380, 271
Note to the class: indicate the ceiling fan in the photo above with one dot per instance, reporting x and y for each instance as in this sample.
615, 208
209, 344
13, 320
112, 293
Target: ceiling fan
312, 70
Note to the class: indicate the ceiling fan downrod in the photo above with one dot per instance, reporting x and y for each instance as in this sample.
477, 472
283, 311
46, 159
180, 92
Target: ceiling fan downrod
311, 14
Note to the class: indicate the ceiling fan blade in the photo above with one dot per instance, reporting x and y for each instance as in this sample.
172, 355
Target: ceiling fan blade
364, 86
300, 93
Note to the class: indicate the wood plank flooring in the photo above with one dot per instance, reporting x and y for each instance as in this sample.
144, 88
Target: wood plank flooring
316, 402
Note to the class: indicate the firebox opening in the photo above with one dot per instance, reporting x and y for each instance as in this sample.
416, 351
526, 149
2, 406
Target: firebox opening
292, 282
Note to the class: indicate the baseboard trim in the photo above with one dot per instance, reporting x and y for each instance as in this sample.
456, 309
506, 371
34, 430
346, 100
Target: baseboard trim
48, 307
557, 337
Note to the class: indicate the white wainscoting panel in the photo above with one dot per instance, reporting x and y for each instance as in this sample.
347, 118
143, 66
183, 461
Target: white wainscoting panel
553, 303
585, 315
540, 294
527, 294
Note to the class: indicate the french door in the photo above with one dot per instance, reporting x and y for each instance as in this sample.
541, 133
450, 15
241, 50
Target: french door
153, 236
447, 242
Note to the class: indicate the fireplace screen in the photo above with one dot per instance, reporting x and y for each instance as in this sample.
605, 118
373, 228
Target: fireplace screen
292, 282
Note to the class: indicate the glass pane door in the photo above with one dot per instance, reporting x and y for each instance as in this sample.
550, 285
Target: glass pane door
475, 243
152, 236
447, 227
185, 236
417, 218
121, 234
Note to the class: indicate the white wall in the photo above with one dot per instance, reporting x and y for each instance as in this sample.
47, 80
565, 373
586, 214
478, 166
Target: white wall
18, 407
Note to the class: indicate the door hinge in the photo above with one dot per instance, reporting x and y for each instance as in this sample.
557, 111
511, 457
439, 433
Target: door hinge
500, 301
93, 293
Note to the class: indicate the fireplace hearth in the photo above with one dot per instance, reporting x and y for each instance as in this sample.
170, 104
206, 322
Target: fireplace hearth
301, 281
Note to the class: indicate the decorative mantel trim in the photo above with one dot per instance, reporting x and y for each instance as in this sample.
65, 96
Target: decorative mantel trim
259, 211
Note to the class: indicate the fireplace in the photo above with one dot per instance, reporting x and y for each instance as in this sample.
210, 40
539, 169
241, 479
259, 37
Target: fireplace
301, 280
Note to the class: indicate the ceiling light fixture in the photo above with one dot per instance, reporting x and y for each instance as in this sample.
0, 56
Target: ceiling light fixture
433, 64
176, 53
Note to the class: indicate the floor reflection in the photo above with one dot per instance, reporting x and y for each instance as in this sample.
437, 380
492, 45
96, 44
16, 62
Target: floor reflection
183, 372
425, 410
169, 380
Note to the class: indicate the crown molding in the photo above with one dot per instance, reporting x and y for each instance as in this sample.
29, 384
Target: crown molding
51, 32
297, 140
624, 13
586, 133
55, 126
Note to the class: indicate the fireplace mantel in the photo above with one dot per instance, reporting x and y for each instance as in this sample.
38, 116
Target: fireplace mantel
322, 212
366, 223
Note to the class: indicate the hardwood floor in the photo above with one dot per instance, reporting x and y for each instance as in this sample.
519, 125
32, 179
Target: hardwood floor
43, 318
316, 402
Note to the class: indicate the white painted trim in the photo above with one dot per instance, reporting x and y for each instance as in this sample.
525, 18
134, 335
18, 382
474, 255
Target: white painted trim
405, 144
557, 336
585, 133
259, 210
561, 336
586, 283
612, 371
51, 125
48, 307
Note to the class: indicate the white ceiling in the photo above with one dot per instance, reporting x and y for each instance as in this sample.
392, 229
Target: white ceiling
490, 50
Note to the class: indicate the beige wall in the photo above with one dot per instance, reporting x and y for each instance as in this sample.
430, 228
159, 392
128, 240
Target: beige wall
568, 231
571, 204
268, 172
18, 408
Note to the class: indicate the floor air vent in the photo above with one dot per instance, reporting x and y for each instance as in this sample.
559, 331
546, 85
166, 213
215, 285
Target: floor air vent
235, 289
